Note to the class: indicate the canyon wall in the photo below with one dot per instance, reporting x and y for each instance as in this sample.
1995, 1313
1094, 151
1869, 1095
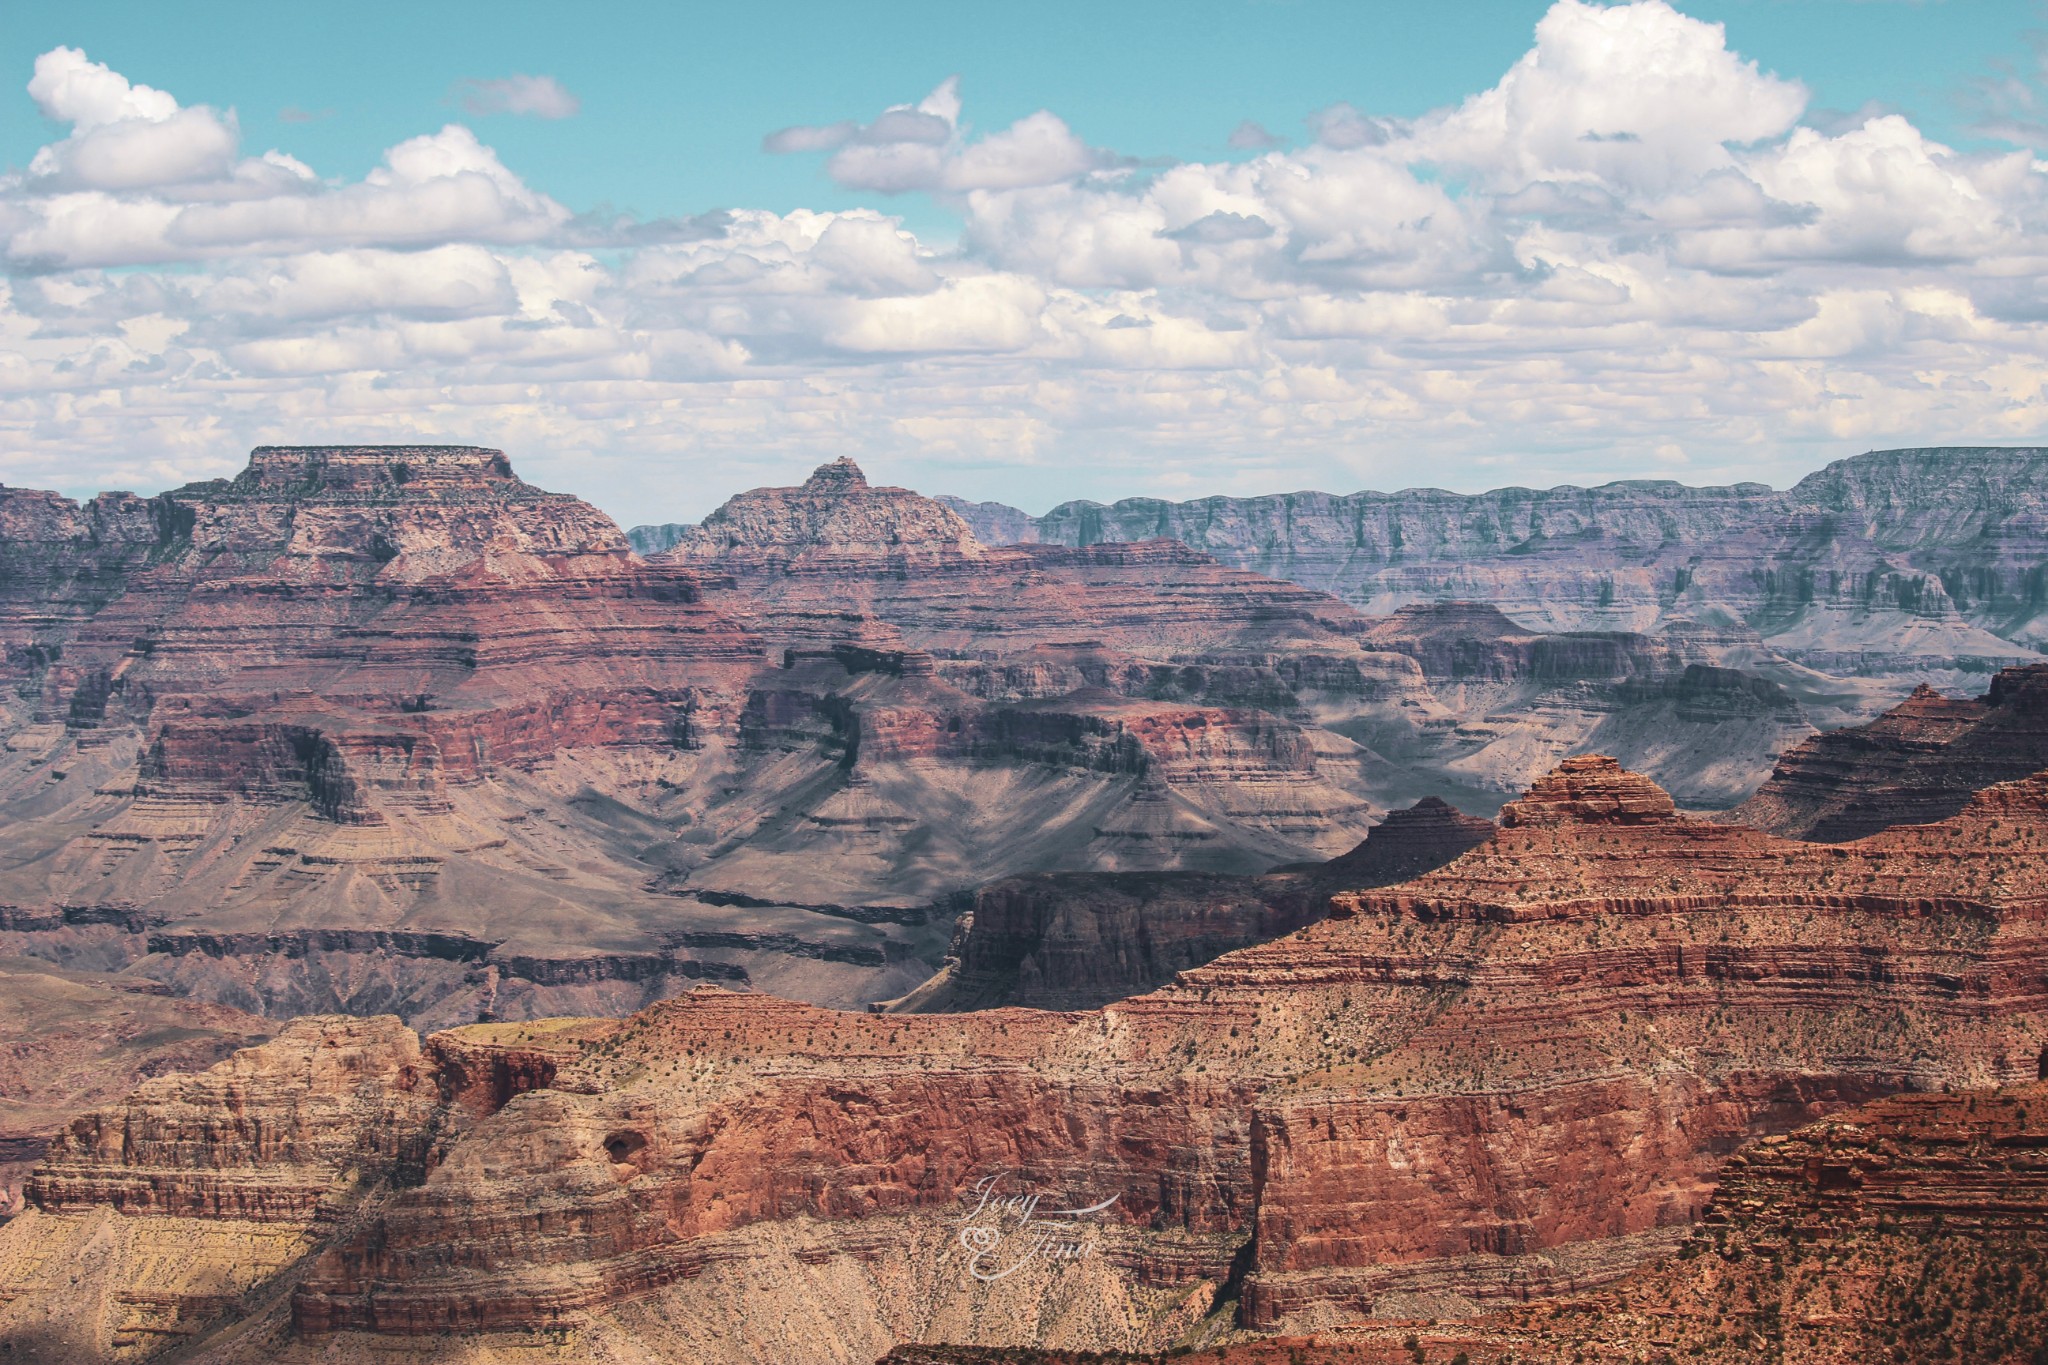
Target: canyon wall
1919, 563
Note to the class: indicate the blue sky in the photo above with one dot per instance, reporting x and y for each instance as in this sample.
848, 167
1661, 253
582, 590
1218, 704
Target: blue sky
676, 97
1479, 243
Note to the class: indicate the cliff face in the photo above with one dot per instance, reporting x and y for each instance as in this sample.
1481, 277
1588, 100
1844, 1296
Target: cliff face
1917, 763
1910, 1228
1521, 1073
1908, 562
60, 562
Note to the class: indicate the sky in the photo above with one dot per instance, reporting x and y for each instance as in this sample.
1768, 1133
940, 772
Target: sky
663, 252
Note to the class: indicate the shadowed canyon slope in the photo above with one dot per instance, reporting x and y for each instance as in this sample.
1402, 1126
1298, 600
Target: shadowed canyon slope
388, 729
1917, 763
1076, 940
1522, 1072
1915, 563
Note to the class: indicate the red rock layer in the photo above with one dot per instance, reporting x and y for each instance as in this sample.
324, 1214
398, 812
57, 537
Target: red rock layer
1911, 1228
1917, 763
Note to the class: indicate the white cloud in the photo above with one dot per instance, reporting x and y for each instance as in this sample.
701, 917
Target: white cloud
1637, 96
1629, 255
535, 96
123, 136
71, 88
72, 212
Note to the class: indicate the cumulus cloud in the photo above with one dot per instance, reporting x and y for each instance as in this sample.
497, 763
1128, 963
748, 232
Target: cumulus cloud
1636, 96
1635, 251
534, 96
168, 184
71, 88
123, 136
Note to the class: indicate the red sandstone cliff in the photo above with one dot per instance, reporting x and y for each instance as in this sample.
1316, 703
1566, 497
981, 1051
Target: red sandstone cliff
1911, 1228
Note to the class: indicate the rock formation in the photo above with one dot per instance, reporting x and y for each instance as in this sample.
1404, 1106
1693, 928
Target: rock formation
1910, 1228
1522, 1073
1076, 940
79, 1039
1908, 563
1917, 763
1500, 703
388, 728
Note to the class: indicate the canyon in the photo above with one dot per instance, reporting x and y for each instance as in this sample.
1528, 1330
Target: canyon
387, 729
1520, 1074
435, 923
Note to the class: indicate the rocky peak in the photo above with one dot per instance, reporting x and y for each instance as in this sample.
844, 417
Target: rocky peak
1410, 842
839, 476
1590, 789
437, 508
835, 519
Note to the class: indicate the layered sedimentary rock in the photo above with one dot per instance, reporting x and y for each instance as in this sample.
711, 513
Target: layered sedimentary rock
1910, 1228
1916, 563
1081, 939
1520, 1074
223, 1182
1693, 704
389, 729
79, 1039
1917, 763
1404, 710
60, 562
